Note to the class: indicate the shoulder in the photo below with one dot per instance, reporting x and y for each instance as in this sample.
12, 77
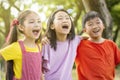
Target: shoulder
77, 39
11, 51
110, 42
84, 41
45, 46
15, 44
12, 46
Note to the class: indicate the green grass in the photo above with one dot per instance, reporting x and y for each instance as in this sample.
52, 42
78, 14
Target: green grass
2, 75
74, 74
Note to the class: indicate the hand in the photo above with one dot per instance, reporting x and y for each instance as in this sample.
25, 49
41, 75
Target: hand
43, 77
45, 40
84, 37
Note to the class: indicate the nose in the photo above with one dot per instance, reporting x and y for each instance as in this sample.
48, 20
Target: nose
95, 26
37, 24
65, 20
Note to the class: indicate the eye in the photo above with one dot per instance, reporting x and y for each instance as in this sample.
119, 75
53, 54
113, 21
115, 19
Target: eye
67, 18
39, 21
60, 18
31, 22
90, 24
98, 22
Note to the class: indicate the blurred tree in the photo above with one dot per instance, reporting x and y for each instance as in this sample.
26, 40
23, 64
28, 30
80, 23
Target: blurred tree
114, 8
5, 16
108, 8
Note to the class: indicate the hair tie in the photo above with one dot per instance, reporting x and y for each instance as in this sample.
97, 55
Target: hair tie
15, 22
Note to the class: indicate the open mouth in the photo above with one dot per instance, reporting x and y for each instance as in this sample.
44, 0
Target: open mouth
35, 31
65, 27
96, 30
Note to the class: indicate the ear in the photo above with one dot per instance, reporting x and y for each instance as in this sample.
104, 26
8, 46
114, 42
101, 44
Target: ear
84, 30
21, 27
52, 27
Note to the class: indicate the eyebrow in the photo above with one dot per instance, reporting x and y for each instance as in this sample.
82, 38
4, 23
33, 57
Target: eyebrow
35, 19
62, 15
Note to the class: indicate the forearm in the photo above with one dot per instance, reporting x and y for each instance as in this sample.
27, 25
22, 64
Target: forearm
0, 56
42, 77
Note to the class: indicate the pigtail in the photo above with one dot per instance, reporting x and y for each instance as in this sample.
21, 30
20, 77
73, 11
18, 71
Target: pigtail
10, 72
12, 37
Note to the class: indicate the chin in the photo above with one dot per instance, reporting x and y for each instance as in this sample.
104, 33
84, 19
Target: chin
96, 37
37, 38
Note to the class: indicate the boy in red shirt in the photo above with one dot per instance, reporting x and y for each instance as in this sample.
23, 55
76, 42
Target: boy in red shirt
96, 57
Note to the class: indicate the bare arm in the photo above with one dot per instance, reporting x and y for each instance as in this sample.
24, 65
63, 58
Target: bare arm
42, 78
45, 40
1, 56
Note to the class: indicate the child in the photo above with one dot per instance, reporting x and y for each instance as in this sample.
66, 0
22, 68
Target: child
24, 54
59, 55
96, 57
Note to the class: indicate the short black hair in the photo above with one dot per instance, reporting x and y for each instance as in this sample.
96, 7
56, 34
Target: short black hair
90, 15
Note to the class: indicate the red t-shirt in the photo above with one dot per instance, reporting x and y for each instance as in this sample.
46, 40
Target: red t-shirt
97, 61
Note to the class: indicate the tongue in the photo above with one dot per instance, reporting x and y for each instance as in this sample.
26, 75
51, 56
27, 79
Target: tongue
35, 33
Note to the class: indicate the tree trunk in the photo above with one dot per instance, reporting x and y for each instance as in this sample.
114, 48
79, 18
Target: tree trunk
79, 11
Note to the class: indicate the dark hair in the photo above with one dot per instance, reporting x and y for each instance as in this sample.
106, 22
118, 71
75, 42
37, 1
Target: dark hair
51, 33
13, 38
90, 15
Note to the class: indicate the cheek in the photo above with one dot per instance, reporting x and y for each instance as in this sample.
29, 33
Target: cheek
103, 27
86, 29
28, 28
40, 26
56, 23
70, 24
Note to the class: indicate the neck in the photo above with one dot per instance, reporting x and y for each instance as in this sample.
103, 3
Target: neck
29, 42
61, 37
97, 40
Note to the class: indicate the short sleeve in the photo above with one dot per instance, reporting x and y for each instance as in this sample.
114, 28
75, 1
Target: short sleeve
45, 58
10, 52
78, 39
117, 54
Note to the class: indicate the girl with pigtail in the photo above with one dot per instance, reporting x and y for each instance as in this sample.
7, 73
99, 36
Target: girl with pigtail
24, 56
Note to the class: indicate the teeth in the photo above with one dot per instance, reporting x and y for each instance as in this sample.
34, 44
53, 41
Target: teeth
96, 30
35, 31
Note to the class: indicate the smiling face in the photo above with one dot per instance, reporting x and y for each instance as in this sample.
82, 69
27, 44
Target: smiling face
32, 26
61, 23
94, 28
